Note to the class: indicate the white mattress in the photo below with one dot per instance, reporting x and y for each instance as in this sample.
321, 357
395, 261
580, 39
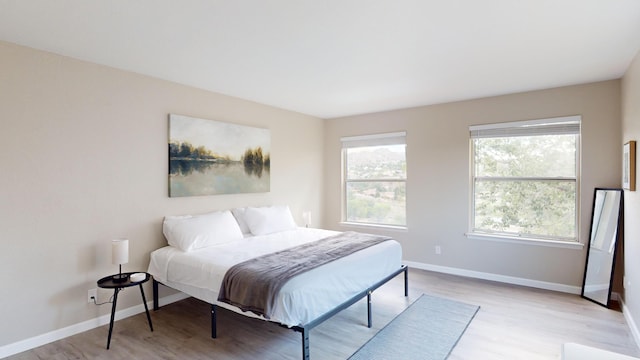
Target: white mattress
302, 299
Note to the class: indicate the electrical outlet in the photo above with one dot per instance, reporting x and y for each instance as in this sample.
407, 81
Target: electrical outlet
438, 250
91, 295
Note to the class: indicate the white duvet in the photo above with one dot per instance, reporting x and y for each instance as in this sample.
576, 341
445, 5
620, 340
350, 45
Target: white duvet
302, 299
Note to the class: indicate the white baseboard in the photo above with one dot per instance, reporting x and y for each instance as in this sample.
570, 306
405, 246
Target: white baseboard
495, 277
34, 342
630, 322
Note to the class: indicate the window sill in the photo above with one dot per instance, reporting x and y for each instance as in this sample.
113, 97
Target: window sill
373, 226
526, 241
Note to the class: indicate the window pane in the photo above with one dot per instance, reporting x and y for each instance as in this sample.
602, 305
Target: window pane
376, 162
526, 156
376, 202
543, 208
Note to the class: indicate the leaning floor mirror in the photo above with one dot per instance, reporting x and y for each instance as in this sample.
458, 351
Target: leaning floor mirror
601, 254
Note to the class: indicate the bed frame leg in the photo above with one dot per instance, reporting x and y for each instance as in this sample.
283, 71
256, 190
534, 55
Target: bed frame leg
305, 343
214, 318
369, 309
406, 281
156, 306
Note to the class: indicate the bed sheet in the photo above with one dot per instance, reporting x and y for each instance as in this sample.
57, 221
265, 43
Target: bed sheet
302, 299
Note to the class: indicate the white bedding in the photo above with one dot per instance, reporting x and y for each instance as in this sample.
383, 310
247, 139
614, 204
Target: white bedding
199, 273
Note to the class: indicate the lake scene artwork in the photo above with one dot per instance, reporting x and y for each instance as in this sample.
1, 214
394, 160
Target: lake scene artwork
208, 157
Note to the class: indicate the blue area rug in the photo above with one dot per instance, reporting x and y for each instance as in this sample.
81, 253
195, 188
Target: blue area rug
428, 329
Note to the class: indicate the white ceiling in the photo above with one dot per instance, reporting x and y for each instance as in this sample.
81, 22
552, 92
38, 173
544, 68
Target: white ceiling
331, 58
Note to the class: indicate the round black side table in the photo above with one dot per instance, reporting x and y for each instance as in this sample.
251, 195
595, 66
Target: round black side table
108, 283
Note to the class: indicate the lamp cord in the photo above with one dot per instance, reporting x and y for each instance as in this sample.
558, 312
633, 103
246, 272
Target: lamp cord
110, 301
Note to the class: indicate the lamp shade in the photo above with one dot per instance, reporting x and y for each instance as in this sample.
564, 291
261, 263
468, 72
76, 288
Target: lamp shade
306, 215
119, 251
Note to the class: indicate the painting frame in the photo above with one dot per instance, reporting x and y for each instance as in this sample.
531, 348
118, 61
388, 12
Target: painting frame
629, 166
210, 157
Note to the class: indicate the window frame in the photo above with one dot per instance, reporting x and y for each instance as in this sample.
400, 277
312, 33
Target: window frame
550, 126
361, 141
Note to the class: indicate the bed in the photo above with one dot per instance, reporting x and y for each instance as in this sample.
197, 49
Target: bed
203, 248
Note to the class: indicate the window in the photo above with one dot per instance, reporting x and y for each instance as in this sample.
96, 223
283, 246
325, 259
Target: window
525, 179
374, 179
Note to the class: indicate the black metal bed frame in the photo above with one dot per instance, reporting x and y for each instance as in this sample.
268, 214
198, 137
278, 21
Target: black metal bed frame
305, 329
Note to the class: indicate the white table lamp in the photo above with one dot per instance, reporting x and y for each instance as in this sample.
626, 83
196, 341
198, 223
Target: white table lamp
119, 256
306, 215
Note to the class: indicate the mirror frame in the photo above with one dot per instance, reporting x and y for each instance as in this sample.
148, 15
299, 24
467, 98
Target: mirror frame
618, 237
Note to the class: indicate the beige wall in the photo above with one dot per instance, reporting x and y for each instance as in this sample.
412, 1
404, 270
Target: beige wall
631, 131
438, 177
84, 160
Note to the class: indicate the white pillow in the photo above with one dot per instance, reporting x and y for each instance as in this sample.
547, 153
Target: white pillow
191, 232
239, 214
268, 220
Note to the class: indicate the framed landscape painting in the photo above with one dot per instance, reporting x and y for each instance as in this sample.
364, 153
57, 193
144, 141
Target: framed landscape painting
629, 166
208, 157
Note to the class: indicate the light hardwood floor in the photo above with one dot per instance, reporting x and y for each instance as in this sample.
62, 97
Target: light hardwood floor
514, 322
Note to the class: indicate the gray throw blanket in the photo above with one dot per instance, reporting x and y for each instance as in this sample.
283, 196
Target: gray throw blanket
253, 285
